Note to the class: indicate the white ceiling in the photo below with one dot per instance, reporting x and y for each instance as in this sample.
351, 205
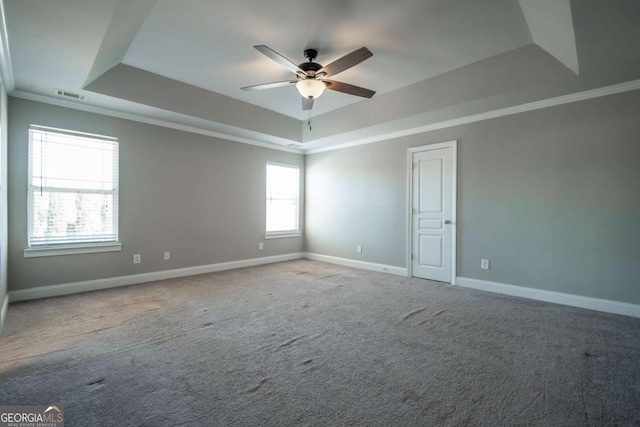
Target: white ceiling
429, 50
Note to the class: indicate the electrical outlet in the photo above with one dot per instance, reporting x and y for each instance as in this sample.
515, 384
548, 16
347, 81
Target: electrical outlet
137, 259
167, 256
260, 246
484, 264
359, 249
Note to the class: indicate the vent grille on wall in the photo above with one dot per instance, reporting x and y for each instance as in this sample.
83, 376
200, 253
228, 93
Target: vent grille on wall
71, 95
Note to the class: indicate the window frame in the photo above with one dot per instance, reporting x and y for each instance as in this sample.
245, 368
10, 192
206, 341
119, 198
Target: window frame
69, 248
297, 232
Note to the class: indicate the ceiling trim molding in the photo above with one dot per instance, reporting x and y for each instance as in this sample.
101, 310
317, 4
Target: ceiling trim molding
6, 67
531, 106
148, 120
502, 112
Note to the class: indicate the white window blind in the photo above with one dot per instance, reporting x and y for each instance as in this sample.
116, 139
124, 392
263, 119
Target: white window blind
73, 188
283, 189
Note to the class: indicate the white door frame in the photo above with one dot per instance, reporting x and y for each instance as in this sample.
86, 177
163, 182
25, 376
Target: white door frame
410, 152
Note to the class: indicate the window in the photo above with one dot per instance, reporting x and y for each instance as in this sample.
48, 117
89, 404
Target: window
283, 189
73, 191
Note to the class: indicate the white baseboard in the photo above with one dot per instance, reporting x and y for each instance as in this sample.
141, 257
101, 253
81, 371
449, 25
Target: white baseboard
607, 306
112, 282
399, 271
597, 304
3, 313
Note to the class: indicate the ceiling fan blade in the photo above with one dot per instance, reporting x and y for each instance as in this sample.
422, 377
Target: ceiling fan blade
278, 58
269, 85
350, 89
346, 62
307, 103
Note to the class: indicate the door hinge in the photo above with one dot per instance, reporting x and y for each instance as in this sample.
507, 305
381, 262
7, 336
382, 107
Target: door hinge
413, 256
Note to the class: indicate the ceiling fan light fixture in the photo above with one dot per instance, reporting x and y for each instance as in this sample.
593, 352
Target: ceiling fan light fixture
311, 77
311, 88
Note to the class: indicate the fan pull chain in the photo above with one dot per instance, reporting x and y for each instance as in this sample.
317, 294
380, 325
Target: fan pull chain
309, 120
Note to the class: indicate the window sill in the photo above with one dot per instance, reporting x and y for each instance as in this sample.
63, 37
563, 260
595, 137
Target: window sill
282, 234
87, 248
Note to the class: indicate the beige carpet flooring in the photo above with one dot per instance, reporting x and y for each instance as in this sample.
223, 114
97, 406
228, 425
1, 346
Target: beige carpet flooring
309, 343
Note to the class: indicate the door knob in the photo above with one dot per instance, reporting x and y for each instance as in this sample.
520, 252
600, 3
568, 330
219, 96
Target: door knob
446, 221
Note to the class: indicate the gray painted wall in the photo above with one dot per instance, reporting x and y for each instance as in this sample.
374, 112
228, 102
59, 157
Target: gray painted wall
4, 228
200, 198
550, 197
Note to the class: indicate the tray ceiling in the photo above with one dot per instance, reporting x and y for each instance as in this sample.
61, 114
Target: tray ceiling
186, 61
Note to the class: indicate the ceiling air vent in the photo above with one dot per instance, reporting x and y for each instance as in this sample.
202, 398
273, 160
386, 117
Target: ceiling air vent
71, 95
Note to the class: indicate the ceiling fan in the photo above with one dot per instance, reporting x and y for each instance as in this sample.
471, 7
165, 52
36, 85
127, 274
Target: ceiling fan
312, 78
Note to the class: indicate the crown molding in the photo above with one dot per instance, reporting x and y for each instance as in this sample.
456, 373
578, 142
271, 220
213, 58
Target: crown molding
502, 112
516, 109
148, 120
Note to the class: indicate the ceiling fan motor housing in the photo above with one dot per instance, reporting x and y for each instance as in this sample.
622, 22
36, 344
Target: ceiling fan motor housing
310, 68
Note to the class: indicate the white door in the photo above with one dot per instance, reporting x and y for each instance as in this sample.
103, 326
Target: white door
433, 215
